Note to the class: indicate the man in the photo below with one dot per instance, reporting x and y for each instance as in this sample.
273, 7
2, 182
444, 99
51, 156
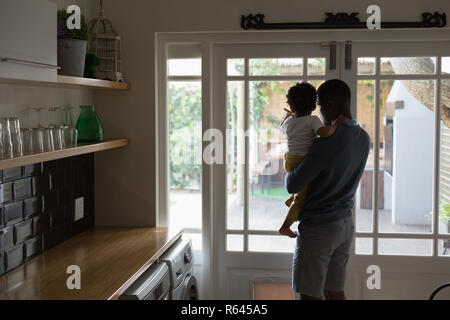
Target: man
331, 170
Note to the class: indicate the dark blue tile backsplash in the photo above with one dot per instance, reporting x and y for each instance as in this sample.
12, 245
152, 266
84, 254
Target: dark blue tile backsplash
37, 207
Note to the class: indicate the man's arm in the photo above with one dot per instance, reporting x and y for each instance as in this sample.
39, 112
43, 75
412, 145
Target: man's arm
308, 170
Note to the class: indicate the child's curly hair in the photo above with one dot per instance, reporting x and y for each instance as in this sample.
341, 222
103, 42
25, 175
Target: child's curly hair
302, 97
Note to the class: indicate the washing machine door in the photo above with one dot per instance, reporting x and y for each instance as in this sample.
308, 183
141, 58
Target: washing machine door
190, 291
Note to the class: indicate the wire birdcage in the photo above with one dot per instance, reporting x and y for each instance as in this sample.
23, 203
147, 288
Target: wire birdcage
105, 44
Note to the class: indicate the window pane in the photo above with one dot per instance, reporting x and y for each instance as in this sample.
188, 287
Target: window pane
281, 244
365, 118
444, 247
407, 157
185, 154
444, 193
366, 66
408, 65
185, 67
267, 147
445, 65
316, 66
235, 242
235, 155
235, 67
276, 67
316, 84
196, 239
363, 245
406, 247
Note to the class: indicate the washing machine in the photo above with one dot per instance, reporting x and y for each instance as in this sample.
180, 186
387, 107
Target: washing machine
179, 260
153, 284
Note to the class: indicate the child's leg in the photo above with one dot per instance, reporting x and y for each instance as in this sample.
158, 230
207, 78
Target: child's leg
295, 206
290, 163
289, 201
293, 214
286, 228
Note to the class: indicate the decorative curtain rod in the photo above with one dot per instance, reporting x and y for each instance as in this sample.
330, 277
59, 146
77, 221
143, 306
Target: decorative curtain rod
341, 20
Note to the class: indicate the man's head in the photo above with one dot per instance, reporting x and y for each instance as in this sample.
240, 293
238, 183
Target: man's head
302, 98
334, 99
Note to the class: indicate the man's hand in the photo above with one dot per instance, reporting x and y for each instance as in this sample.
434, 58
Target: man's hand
341, 119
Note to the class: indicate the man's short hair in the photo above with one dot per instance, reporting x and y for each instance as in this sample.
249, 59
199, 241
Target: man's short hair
302, 97
337, 91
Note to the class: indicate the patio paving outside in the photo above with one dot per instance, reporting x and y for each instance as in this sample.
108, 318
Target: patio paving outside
268, 214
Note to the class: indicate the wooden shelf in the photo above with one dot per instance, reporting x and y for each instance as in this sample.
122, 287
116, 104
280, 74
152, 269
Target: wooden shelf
82, 148
92, 83
72, 82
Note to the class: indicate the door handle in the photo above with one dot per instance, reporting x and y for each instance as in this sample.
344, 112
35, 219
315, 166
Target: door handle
348, 55
30, 63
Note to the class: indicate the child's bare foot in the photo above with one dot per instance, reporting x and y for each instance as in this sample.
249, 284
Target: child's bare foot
287, 232
288, 202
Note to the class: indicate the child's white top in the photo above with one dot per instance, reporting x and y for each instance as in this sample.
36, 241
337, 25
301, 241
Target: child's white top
300, 133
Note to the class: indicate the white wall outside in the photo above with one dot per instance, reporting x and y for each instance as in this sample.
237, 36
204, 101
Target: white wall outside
413, 175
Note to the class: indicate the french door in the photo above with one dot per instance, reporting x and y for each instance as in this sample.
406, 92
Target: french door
400, 95
250, 83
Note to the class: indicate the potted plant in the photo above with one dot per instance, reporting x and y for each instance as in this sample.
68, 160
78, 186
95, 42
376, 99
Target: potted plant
444, 215
72, 45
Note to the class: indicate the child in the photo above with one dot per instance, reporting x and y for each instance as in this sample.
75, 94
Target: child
300, 128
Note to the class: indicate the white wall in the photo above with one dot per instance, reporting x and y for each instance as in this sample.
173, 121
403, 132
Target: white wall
412, 159
16, 100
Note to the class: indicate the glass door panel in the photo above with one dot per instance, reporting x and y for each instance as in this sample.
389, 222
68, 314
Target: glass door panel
267, 147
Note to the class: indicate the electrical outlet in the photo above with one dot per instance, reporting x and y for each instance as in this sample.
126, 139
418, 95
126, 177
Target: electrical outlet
79, 209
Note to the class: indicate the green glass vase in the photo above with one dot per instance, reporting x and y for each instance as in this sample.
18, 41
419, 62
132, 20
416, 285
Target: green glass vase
88, 125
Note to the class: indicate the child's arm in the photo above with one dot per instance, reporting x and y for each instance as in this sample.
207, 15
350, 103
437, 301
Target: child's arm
286, 116
284, 122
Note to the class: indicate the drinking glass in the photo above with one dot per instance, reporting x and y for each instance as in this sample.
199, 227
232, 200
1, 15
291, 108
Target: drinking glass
69, 117
2, 150
60, 116
38, 140
7, 146
70, 137
12, 139
37, 117
27, 138
52, 116
16, 136
58, 137
47, 138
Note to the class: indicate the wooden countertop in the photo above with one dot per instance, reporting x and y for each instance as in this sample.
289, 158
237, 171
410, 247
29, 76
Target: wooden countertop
110, 259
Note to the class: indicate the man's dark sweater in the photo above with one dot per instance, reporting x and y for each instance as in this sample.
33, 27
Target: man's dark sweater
331, 171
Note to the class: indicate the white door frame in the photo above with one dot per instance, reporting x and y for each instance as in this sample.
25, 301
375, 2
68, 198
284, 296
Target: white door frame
206, 40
